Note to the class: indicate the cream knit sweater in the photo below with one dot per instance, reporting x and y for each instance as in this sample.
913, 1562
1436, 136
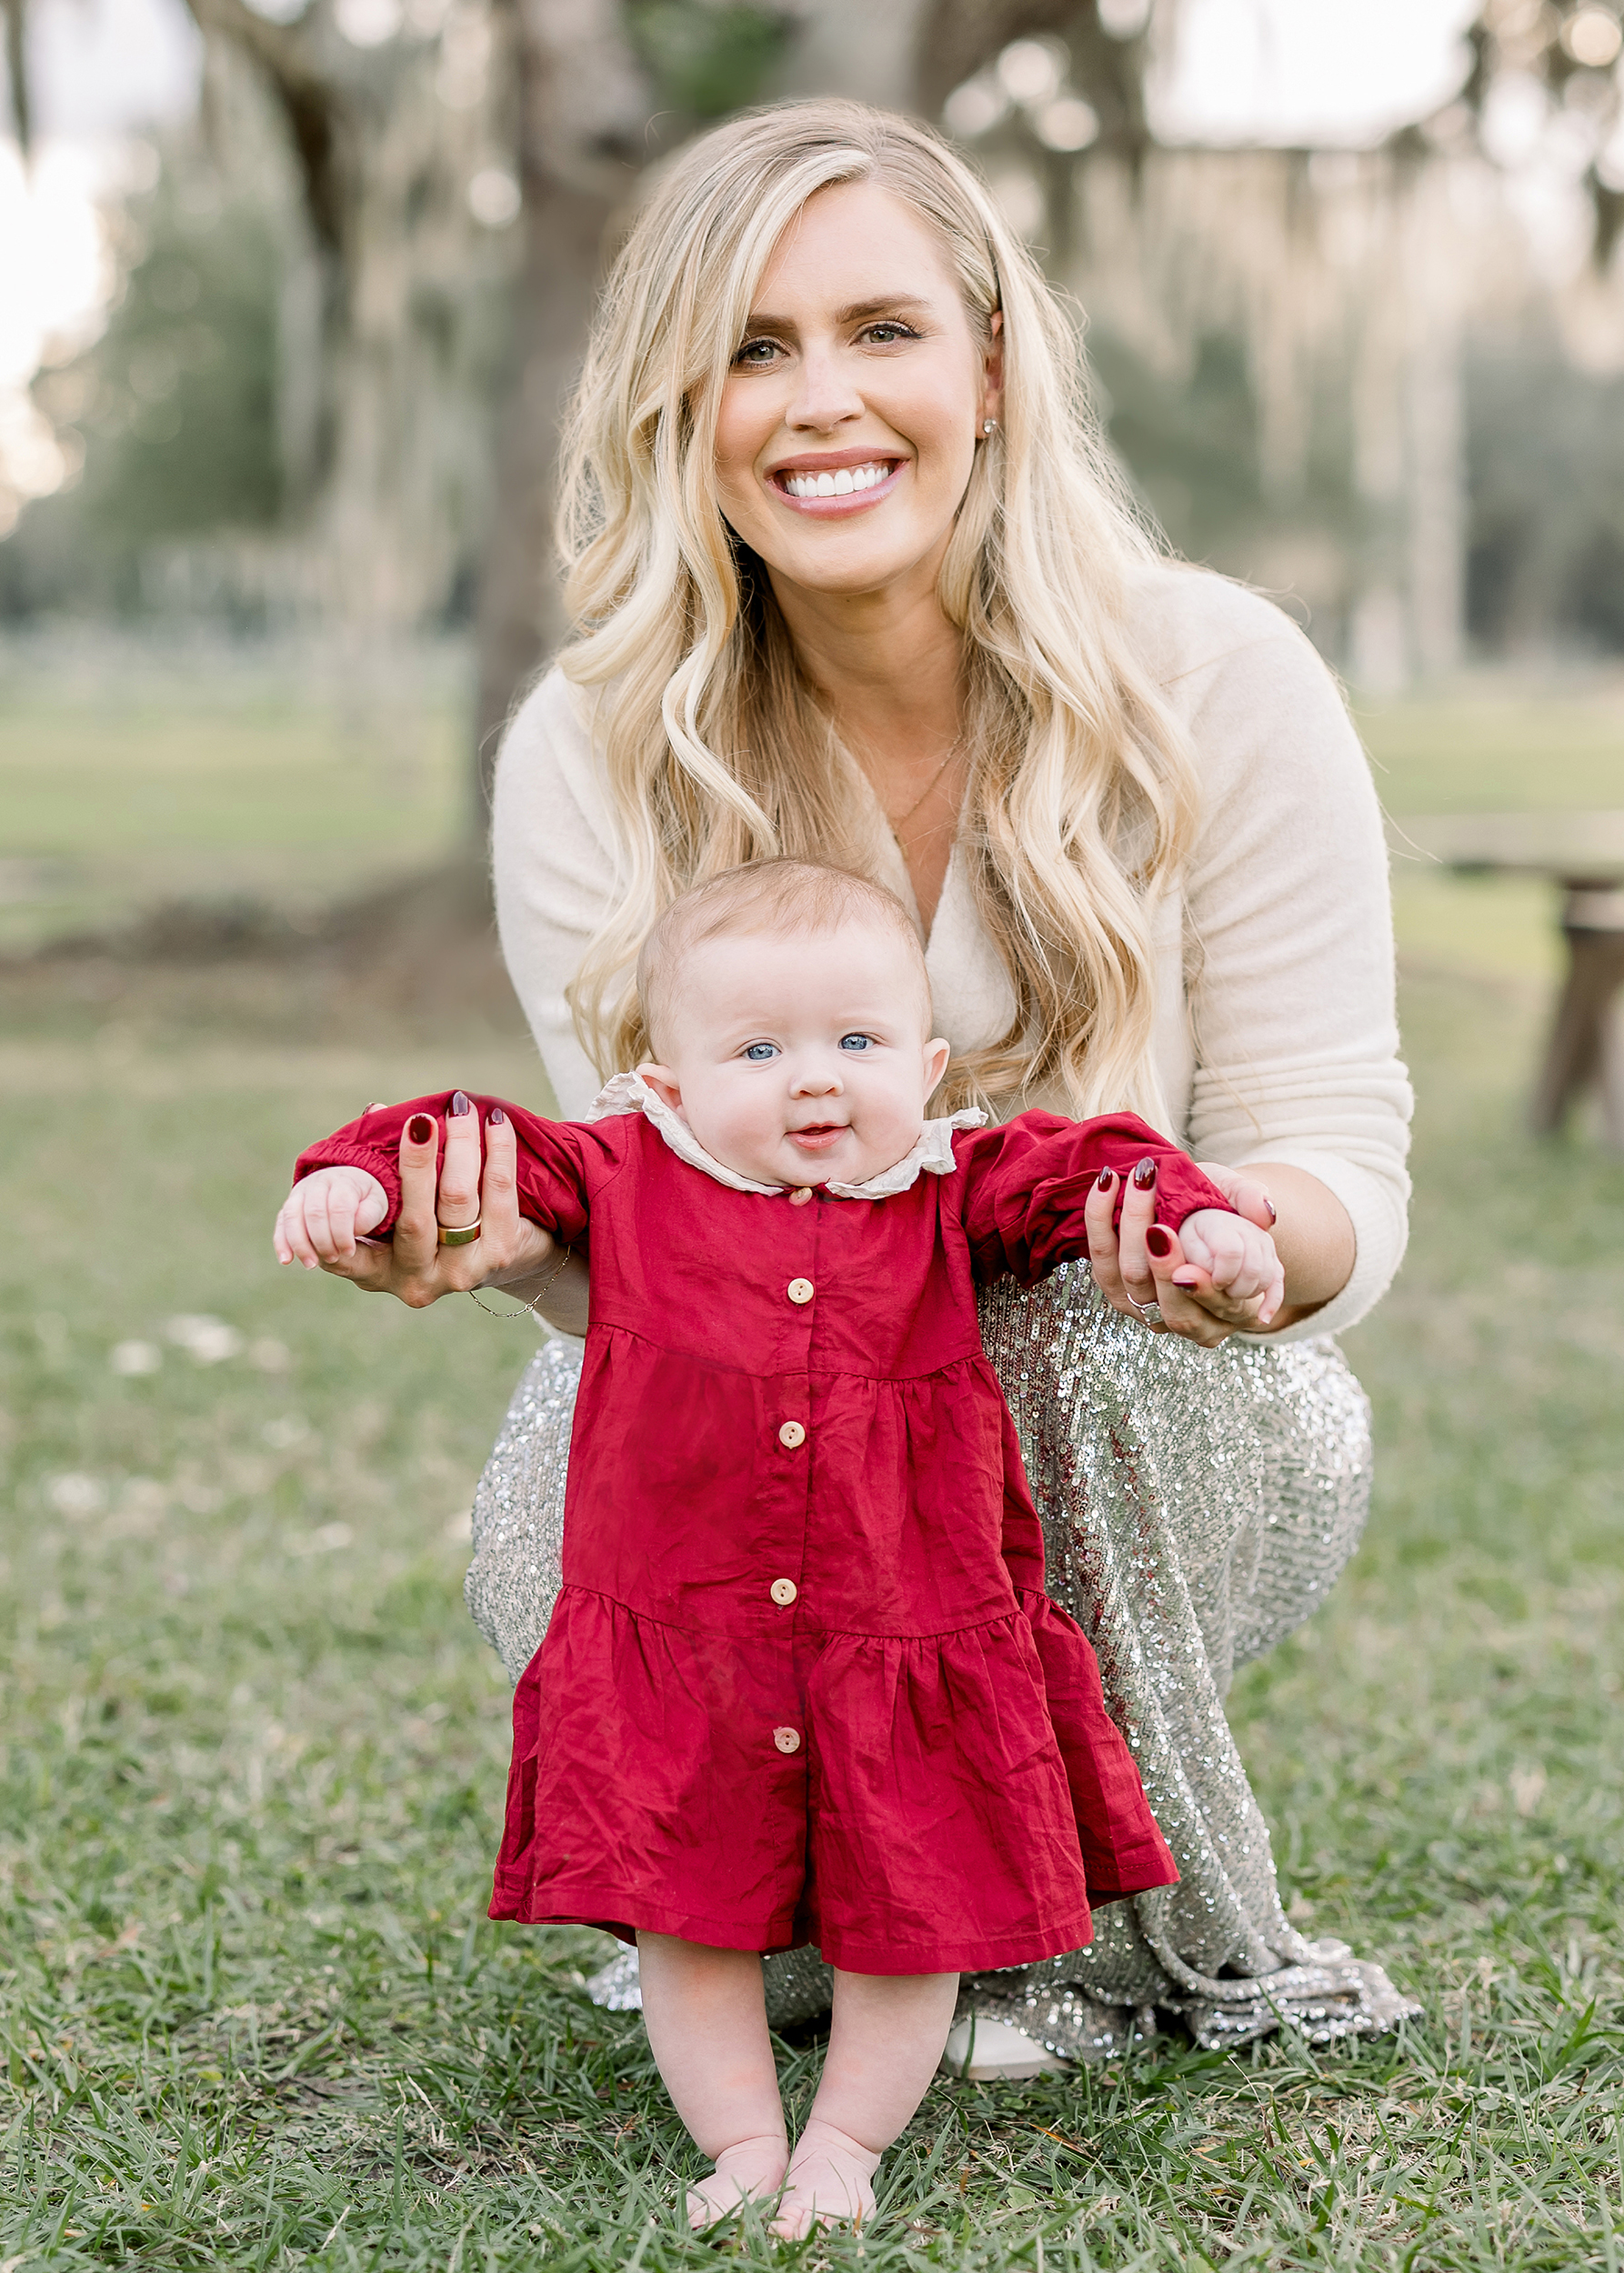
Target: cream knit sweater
1275, 1037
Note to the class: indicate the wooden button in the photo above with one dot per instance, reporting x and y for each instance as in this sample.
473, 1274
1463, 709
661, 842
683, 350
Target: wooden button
799, 1290
791, 1434
787, 1739
783, 1592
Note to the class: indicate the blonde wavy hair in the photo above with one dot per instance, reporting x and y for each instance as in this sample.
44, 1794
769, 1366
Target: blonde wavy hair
1080, 790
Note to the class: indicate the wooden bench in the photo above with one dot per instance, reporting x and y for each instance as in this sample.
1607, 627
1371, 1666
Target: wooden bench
1583, 854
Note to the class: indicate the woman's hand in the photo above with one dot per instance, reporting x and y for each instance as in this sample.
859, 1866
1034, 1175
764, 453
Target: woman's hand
1142, 1264
476, 1185
1138, 1263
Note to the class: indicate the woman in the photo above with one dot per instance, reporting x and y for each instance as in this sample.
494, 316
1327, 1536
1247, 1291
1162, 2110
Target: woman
851, 578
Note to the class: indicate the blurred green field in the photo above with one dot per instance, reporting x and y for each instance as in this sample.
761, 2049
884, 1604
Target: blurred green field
129, 777
252, 1753
1499, 744
1496, 747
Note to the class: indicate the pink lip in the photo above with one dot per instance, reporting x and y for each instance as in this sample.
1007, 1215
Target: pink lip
822, 1135
832, 462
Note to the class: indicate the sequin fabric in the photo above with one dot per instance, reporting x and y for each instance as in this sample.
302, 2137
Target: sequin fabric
1196, 1507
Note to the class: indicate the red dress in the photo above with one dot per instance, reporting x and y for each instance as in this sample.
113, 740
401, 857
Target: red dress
803, 1682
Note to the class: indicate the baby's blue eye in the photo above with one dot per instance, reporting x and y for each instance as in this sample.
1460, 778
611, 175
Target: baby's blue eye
856, 1041
758, 1053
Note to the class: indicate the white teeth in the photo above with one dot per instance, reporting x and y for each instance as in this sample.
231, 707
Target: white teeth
841, 485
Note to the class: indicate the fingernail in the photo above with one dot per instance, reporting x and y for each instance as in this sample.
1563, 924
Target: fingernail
496, 1117
1159, 1240
1274, 1213
1108, 1177
1144, 1176
1187, 1278
420, 1129
460, 1105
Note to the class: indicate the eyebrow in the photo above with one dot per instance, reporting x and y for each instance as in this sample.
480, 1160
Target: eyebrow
887, 303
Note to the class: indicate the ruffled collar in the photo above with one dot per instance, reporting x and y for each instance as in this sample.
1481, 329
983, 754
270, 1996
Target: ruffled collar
932, 1155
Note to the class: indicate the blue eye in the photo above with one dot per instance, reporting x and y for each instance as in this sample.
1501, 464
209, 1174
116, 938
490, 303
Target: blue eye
856, 1042
761, 1053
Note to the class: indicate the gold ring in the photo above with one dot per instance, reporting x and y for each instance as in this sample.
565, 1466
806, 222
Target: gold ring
459, 1234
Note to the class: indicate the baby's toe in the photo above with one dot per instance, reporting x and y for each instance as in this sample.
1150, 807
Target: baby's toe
750, 2173
711, 2200
830, 2184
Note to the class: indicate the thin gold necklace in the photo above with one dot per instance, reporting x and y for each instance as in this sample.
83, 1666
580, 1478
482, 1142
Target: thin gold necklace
898, 826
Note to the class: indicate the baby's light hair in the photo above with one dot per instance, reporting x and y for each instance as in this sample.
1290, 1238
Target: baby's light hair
774, 898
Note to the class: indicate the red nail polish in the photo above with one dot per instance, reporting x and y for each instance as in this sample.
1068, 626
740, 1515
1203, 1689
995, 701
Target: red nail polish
1108, 1177
1159, 1241
1144, 1176
420, 1129
459, 1105
496, 1117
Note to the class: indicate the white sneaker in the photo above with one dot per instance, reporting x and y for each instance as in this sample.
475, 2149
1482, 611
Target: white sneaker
996, 2053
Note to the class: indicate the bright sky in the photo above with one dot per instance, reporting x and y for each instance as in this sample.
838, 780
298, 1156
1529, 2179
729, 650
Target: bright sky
1312, 70
101, 71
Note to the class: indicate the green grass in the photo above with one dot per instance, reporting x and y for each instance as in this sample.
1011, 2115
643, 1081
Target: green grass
129, 776
252, 1754
1500, 744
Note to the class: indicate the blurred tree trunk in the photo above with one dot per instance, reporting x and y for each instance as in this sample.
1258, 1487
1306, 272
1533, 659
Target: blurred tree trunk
583, 104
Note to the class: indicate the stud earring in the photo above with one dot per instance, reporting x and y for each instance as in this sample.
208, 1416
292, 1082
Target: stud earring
989, 426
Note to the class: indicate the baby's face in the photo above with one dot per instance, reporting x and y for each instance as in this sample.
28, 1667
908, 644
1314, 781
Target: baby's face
801, 1060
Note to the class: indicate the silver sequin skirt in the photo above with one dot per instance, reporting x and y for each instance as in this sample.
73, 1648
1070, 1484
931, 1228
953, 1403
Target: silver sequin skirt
1197, 1506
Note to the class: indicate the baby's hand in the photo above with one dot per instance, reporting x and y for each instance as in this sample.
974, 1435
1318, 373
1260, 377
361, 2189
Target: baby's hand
1237, 1257
324, 1213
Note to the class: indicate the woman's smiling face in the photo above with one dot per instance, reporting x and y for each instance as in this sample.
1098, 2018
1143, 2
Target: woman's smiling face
849, 420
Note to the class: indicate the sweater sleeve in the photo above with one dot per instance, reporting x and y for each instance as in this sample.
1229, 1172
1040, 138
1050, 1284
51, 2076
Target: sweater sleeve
1288, 931
554, 1168
1026, 1182
554, 872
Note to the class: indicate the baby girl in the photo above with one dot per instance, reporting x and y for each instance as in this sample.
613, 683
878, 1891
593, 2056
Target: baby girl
803, 1682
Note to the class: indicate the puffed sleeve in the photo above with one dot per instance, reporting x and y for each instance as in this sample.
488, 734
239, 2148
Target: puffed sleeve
1024, 1184
557, 1163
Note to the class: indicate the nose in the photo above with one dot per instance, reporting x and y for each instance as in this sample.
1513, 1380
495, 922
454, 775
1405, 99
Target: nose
816, 1077
825, 394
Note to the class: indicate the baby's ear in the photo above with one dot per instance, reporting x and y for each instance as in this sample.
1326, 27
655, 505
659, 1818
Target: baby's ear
664, 1083
936, 1055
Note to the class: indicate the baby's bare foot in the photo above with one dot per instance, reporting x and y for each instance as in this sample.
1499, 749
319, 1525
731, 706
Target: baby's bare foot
751, 2171
831, 2177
